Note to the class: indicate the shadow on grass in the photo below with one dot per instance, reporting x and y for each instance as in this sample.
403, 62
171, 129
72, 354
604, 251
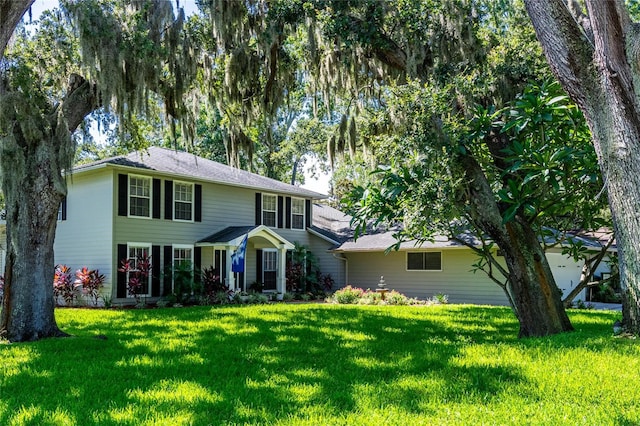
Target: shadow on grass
260, 364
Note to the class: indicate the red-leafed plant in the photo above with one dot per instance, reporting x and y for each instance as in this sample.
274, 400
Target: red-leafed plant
62, 285
90, 281
138, 275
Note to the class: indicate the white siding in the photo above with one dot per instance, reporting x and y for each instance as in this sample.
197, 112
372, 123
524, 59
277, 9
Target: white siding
84, 238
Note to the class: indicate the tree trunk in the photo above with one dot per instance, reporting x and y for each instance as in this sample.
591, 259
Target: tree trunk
598, 65
531, 283
36, 148
536, 299
32, 200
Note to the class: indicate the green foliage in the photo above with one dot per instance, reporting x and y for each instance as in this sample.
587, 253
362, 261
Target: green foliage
551, 172
303, 271
535, 152
453, 365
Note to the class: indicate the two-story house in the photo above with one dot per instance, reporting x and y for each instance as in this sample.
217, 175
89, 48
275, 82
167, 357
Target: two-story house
175, 206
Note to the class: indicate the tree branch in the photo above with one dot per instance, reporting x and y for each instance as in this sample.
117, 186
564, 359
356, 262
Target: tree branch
11, 12
567, 48
80, 101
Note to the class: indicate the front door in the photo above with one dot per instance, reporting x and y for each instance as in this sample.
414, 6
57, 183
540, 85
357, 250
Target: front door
269, 269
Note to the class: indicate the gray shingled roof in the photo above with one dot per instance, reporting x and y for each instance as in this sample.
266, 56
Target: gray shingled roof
382, 240
227, 234
331, 223
336, 225
188, 165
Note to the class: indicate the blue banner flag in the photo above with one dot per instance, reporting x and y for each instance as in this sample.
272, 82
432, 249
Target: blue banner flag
237, 258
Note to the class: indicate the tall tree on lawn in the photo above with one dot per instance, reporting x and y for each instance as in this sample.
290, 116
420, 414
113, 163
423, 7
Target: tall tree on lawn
46, 91
594, 51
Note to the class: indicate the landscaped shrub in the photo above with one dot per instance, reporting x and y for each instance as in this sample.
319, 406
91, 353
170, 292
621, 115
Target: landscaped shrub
90, 281
213, 291
63, 286
370, 298
396, 298
138, 275
440, 299
355, 295
348, 295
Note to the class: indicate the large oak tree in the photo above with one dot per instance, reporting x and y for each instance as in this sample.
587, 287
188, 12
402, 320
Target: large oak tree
131, 52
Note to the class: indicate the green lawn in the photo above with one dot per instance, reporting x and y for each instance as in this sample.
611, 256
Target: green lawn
320, 364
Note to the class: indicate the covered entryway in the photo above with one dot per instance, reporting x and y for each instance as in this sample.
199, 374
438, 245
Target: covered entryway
265, 249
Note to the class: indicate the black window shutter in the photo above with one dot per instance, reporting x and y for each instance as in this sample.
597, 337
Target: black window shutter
280, 211
217, 263
121, 284
156, 198
168, 264
197, 264
258, 208
259, 265
123, 194
223, 272
63, 208
198, 203
307, 212
168, 199
155, 271
288, 212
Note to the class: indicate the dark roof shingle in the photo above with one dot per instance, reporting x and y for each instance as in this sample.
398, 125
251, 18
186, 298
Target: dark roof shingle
188, 165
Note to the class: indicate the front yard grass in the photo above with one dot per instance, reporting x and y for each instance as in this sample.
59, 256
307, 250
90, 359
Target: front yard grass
320, 365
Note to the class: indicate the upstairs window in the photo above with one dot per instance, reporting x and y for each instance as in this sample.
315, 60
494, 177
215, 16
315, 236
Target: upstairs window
183, 201
297, 213
139, 196
269, 210
424, 261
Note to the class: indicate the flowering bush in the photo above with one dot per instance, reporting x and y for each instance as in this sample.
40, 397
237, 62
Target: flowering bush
62, 285
355, 295
348, 295
397, 298
138, 275
90, 281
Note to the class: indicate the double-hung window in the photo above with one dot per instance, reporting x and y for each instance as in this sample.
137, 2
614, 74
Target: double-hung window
183, 201
424, 261
297, 213
139, 196
183, 268
269, 210
140, 268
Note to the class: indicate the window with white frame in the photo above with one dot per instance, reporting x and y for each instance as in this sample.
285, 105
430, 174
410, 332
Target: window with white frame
183, 267
140, 263
297, 213
183, 201
424, 261
139, 196
269, 210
